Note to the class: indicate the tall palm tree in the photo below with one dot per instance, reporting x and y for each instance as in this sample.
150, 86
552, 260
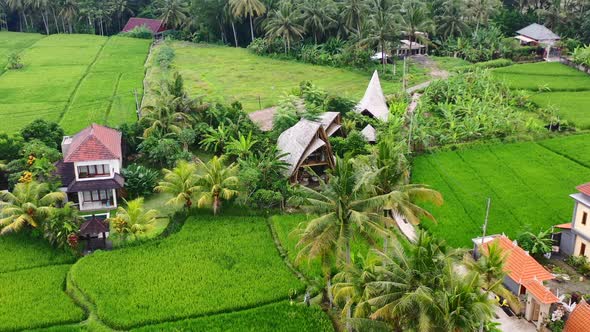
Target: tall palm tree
283, 23
173, 12
317, 16
19, 6
133, 219
43, 7
69, 10
167, 117
250, 8
482, 10
181, 182
415, 18
382, 26
353, 13
120, 8
216, 183
451, 22
29, 204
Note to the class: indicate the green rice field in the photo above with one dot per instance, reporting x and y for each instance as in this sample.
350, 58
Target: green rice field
71, 79
228, 74
553, 85
529, 184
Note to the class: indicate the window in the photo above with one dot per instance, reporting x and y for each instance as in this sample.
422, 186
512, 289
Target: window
584, 218
92, 171
97, 195
583, 249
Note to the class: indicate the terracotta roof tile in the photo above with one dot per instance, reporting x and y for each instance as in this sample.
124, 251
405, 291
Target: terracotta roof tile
584, 188
94, 143
540, 292
520, 266
579, 320
154, 25
567, 225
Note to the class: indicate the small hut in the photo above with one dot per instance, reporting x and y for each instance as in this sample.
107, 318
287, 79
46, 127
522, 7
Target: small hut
370, 134
95, 231
306, 145
332, 123
374, 103
538, 35
408, 48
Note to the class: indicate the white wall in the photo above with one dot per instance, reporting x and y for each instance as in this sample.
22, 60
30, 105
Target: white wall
114, 167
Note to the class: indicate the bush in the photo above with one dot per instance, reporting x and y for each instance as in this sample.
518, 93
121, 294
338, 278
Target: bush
14, 61
581, 55
353, 145
49, 133
141, 32
267, 199
139, 180
485, 65
165, 56
580, 263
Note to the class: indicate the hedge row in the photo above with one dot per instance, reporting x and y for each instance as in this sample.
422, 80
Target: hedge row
498, 63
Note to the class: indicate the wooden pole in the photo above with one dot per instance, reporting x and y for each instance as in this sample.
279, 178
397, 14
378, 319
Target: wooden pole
485, 224
137, 104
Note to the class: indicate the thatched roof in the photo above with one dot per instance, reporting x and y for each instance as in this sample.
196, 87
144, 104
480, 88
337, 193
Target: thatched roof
374, 102
370, 134
264, 118
539, 33
329, 122
298, 142
405, 45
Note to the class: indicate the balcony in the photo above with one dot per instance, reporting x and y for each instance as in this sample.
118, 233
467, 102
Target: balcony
97, 205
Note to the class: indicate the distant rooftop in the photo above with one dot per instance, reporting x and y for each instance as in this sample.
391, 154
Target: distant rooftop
155, 26
538, 32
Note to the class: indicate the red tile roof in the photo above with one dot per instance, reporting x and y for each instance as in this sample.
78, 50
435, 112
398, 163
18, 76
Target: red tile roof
579, 320
540, 292
95, 142
154, 25
584, 188
567, 225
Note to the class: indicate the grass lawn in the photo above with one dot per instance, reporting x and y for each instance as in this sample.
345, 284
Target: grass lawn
21, 251
449, 63
71, 79
528, 183
35, 298
228, 74
212, 265
572, 106
14, 42
273, 317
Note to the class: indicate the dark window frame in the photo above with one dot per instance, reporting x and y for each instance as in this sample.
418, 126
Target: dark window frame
92, 171
99, 195
584, 217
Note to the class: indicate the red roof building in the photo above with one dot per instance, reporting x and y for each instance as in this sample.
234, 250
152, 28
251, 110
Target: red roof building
584, 188
155, 26
95, 142
579, 319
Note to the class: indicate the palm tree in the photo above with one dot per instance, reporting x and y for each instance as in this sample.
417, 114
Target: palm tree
317, 16
133, 219
216, 182
181, 182
29, 204
283, 23
415, 18
482, 10
121, 7
229, 17
241, 147
173, 12
43, 7
353, 14
250, 8
382, 26
214, 139
451, 22
166, 118
69, 10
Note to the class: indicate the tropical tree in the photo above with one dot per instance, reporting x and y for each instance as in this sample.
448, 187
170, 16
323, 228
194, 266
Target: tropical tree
451, 22
250, 8
415, 18
173, 12
382, 26
181, 182
482, 10
317, 16
241, 147
166, 118
120, 8
61, 224
216, 182
215, 139
283, 23
29, 204
133, 220
537, 244
69, 10
353, 13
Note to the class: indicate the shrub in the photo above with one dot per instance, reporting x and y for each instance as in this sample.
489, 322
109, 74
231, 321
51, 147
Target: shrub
266, 199
139, 180
353, 145
165, 56
47, 132
581, 55
141, 32
14, 61
484, 65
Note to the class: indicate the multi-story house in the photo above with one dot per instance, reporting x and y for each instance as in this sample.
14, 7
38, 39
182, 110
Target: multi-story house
574, 238
90, 169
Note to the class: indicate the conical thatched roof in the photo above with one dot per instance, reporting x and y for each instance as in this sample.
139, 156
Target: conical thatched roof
374, 102
370, 134
298, 142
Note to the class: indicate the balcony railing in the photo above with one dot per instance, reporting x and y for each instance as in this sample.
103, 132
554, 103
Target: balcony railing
97, 205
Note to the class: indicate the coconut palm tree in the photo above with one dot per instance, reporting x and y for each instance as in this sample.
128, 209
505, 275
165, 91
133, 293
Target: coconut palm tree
216, 183
28, 204
482, 10
317, 16
451, 22
283, 23
415, 18
133, 219
382, 25
120, 8
69, 10
250, 8
173, 12
181, 182
353, 13
167, 117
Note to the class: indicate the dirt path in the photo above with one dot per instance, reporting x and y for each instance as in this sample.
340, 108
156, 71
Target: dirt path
435, 72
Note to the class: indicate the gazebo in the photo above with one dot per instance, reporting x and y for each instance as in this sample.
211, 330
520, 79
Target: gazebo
95, 231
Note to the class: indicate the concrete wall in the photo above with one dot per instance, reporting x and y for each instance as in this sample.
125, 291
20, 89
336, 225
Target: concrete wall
511, 285
567, 243
579, 213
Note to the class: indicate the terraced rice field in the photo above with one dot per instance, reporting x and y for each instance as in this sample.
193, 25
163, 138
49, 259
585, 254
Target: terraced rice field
71, 79
555, 86
529, 184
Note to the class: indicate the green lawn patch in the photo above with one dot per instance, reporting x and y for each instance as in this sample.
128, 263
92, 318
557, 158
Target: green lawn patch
573, 147
572, 106
36, 298
228, 74
449, 63
213, 265
280, 316
15, 42
544, 75
20, 251
528, 183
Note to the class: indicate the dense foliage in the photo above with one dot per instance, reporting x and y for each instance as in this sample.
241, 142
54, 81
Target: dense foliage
219, 264
35, 298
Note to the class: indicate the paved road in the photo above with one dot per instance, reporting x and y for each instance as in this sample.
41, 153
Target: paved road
513, 324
